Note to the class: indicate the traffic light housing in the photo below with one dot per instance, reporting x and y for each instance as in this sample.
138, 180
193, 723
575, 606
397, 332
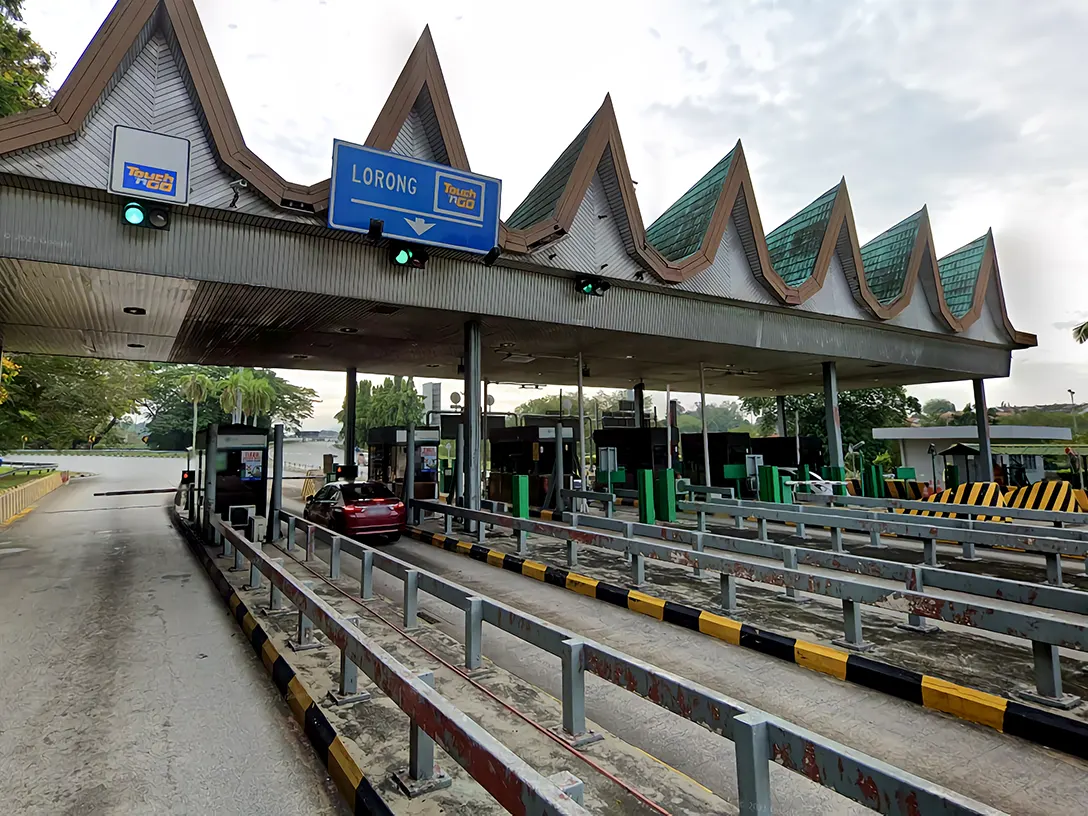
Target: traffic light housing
592, 285
344, 472
408, 255
145, 215
188, 477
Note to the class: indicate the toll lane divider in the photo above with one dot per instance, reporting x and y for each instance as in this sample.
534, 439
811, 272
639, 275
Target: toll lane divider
972, 705
356, 790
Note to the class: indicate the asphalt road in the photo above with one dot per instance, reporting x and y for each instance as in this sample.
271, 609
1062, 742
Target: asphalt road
127, 688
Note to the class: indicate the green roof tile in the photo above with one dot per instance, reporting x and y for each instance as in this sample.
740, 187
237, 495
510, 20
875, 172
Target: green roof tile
959, 275
793, 247
886, 257
542, 200
679, 231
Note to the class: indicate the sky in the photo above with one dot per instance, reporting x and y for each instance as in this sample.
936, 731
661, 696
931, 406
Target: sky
976, 108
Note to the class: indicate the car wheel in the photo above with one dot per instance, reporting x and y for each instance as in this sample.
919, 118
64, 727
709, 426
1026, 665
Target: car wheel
392, 538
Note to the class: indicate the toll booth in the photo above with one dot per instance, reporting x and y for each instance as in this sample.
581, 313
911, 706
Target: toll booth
529, 450
782, 451
724, 448
387, 453
241, 467
636, 449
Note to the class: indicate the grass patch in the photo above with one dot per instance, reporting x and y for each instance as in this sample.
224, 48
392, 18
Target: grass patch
8, 482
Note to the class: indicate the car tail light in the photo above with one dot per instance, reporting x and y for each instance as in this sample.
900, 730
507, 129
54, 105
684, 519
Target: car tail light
398, 506
350, 508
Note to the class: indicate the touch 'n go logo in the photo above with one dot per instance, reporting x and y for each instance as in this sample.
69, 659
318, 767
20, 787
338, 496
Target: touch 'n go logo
150, 179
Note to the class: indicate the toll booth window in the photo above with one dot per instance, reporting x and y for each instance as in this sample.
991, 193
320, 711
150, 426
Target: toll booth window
360, 491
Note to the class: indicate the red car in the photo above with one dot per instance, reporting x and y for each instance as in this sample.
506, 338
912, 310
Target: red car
357, 509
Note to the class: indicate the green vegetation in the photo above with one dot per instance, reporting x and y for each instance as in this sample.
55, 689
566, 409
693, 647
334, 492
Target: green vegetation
393, 402
24, 65
13, 480
728, 415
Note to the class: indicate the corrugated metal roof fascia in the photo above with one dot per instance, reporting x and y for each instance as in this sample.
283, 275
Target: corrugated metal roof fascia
234, 253
679, 231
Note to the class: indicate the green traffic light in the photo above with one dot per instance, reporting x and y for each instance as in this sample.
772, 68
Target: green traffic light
588, 288
134, 214
403, 256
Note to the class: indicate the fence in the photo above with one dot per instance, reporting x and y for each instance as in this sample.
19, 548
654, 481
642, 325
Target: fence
18, 499
1046, 632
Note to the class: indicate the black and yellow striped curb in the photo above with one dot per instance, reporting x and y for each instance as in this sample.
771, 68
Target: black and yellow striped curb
1008, 716
353, 786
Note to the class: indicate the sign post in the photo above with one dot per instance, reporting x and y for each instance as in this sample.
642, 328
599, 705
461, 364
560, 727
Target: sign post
417, 202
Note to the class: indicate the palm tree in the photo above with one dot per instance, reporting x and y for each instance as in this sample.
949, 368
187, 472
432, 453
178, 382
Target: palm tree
229, 387
257, 397
196, 388
1080, 333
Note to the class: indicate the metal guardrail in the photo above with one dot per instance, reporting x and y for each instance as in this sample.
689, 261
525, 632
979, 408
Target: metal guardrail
1056, 517
514, 784
876, 524
760, 738
607, 499
1046, 633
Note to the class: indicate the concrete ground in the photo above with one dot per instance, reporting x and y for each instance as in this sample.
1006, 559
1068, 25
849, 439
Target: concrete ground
127, 688
1001, 771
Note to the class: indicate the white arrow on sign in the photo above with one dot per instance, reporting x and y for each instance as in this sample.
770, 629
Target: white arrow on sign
418, 225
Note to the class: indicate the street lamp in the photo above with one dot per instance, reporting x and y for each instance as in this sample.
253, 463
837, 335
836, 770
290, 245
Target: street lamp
1073, 409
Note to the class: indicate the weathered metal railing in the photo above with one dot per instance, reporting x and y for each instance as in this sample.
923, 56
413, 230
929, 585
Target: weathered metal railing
759, 738
514, 784
607, 499
1046, 632
17, 499
1055, 517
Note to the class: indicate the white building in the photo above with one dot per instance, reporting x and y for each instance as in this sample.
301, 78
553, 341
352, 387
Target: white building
1014, 446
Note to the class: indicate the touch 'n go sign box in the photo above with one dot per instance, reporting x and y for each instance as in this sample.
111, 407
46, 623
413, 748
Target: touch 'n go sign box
149, 165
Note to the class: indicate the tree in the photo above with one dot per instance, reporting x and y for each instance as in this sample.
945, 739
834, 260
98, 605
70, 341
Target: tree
936, 411
724, 416
196, 388
24, 65
394, 402
229, 387
257, 397
58, 402
859, 412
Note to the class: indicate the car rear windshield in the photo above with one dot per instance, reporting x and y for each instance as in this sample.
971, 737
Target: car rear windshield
365, 490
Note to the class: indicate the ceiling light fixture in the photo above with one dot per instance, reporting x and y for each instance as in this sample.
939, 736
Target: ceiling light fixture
300, 356
136, 345
348, 330
134, 310
519, 358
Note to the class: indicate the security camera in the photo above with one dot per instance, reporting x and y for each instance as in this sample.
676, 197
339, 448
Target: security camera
239, 184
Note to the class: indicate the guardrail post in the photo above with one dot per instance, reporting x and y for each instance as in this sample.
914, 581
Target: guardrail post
697, 572
366, 577
447, 523
874, 540
700, 523
481, 532
915, 622
1048, 679
304, 635
738, 520
836, 539
474, 633
275, 598
608, 508
761, 527
239, 560
311, 535
638, 570
752, 746
411, 599
347, 692
1053, 569
228, 548
573, 729
254, 573
929, 552
729, 592
334, 558
789, 561
422, 775
292, 523
572, 553
968, 552
800, 530
851, 624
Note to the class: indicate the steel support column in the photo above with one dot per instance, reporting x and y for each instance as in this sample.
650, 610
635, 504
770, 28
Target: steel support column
581, 469
349, 417
668, 426
272, 529
471, 458
458, 486
831, 415
982, 420
211, 446
780, 423
702, 417
640, 403
410, 473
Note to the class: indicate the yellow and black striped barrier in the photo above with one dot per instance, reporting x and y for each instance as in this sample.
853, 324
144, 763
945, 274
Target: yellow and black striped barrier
1046, 495
909, 489
344, 771
976, 494
973, 705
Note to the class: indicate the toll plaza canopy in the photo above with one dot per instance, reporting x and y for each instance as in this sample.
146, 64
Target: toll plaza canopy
250, 272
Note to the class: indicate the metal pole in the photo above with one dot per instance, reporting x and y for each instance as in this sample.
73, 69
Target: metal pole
831, 416
349, 417
483, 438
780, 424
559, 465
581, 467
272, 529
472, 417
1073, 409
640, 402
982, 420
410, 472
458, 486
236, 417
797, 434
702, 412
668, 426
211, 444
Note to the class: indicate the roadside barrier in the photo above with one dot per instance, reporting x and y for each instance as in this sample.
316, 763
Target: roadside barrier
1051, 495
760, 738
1045, 632
974, 494
965, 703
904, 489
315, 479
19, 499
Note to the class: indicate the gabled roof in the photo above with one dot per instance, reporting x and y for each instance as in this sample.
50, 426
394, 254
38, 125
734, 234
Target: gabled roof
791, 263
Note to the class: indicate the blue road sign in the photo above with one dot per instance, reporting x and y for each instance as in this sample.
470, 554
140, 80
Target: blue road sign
420, 202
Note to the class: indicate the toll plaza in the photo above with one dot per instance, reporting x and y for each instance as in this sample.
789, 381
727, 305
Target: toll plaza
136, 223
